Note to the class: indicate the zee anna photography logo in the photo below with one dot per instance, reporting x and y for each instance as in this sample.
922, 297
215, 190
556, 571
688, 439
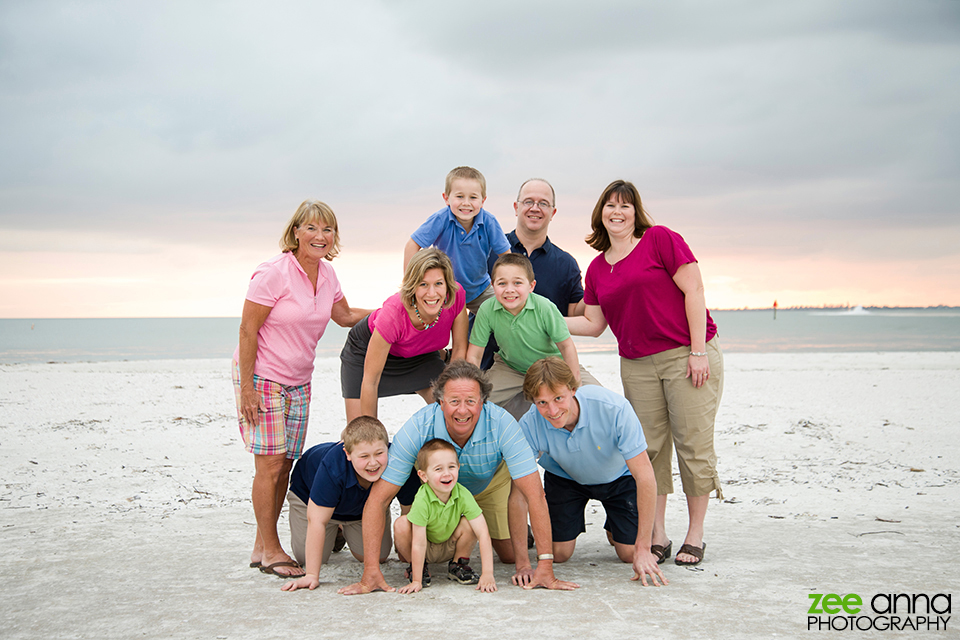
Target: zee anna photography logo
890, 612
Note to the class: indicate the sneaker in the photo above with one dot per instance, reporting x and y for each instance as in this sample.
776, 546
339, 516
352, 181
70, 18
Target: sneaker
424, 581
461, 572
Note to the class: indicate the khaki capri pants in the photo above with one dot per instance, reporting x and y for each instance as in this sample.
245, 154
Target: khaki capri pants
674, 413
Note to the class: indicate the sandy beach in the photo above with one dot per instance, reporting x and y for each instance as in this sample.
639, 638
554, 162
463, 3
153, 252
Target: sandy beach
125, 510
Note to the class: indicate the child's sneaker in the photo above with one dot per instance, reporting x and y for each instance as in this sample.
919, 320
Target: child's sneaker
424, 581
461, 572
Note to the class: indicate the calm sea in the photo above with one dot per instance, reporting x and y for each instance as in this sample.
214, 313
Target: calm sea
81, 340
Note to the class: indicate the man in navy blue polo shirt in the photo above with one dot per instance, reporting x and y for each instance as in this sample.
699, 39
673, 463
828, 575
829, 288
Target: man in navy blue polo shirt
556, 271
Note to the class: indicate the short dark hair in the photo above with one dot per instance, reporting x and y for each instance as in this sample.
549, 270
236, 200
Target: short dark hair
461, 370
514, 260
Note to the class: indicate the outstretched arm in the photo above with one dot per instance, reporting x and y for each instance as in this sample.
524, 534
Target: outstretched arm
461, 328
591, 323
644, 562
487, 582
345, 315
418, 551
317, 519
569, 352
408, 250
374, 519
377, 351
543, 576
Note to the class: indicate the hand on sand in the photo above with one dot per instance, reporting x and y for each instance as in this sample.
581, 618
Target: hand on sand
413, 587
306, 582
487, 584
367, 584
543, 577
644, 564
522, 577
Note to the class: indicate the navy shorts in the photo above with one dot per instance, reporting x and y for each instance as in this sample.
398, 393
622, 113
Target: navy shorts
567, 501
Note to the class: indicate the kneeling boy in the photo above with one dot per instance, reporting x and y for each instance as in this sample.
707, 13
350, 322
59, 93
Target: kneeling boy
328, 488
444, 523
590, 443
527, 327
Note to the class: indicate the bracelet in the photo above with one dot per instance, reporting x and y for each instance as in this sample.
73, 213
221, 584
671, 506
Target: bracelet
545, 556
698, 353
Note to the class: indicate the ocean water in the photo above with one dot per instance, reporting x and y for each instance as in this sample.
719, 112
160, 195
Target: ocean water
79, 340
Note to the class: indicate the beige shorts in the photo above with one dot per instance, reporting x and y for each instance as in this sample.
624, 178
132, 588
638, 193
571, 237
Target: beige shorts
352, 531
493, 501
441, 551
674, 413
508, 386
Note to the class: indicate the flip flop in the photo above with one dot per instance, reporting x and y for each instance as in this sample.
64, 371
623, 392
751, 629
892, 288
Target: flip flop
255, 565
662, 552
286, 563
693, 551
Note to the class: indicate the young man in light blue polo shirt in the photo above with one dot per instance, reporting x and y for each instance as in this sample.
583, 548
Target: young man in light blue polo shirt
591, 445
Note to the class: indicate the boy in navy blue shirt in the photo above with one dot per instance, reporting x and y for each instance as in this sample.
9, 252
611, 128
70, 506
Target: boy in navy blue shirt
328, 488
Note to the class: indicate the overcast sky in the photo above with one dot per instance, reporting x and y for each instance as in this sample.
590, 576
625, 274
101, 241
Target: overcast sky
151, 152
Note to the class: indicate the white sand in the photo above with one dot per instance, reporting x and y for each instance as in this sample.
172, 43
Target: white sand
125, 512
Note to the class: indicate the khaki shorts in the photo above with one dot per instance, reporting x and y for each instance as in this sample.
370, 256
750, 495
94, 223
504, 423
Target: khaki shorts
485, 295
493, 501
352, 531
441, 551
674, 413
508, 386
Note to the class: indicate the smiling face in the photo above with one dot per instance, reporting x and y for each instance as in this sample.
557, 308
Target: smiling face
441, 472
559, 406
431, 292
618, 217
369, 460
461, 406
534, 217
465, 199
315, 240
511, 286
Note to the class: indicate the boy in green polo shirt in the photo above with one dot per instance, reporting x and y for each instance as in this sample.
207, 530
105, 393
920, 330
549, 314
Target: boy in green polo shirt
444, 523
527, 326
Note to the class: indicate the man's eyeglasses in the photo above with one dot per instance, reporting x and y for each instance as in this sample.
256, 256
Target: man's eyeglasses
542, 204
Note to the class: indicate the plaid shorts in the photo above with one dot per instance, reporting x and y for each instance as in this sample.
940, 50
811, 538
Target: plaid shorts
282, 427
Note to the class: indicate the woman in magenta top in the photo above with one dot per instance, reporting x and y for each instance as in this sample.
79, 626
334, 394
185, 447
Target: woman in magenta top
647, 287
290, 299
399, 348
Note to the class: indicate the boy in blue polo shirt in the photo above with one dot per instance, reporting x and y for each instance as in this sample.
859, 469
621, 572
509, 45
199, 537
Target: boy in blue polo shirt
591, 446
465, 231
444, 523
329, 488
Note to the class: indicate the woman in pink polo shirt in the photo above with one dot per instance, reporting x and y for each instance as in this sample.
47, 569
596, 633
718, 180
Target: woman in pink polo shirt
289, 301
647, 286
398, 349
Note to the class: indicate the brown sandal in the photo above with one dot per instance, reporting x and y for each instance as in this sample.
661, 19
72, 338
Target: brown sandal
662, 552
689, 549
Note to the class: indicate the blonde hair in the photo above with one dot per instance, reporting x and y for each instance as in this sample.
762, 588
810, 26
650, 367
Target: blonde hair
363, 429
430, 446
311, 211
599, 239
465, 173
552, 373
421, 262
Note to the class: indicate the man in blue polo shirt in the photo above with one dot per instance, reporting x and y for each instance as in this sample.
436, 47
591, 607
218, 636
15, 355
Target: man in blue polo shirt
591, 446
495, 460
